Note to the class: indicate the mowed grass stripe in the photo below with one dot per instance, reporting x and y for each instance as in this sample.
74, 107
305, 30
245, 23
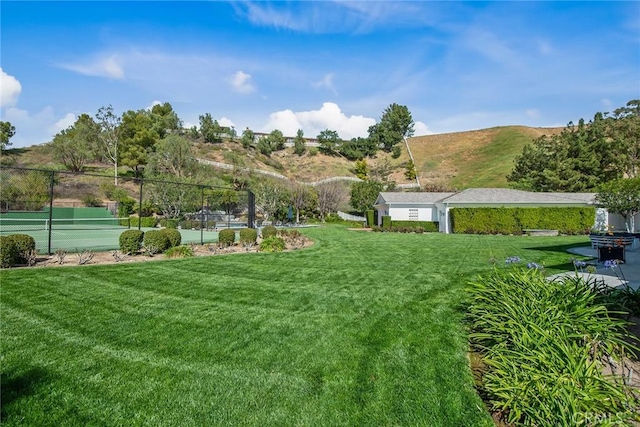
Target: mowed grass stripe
361, 329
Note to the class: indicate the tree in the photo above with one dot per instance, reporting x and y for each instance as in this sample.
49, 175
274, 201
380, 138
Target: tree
330, 196
270, 196
7, 131
621, 196
301, 197
226, 199
210, 129
139, 132
165, 118
273, 142
364, 194
410, 171
625, 129
109, 136
174, 196
329, 141
75, 146
395, 124
248, 138
358, 148
299, 143
26, 190
362, 169
173, 156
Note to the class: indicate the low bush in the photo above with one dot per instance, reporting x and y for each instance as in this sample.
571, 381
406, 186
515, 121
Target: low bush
169, 223
174, 236
425, 226
24, 245
544, 344
248, 236
269, 231
131, 241
226, 237
182, 251
8, 252
91, 200
272, 244
156, 241
145, 221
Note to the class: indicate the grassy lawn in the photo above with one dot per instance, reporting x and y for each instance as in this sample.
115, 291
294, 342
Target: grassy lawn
362, 329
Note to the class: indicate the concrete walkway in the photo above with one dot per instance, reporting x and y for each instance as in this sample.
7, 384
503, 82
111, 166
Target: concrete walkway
613, 276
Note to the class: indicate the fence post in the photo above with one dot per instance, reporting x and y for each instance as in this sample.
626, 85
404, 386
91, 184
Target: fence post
140, 206
202, 215
51, 184
252, 209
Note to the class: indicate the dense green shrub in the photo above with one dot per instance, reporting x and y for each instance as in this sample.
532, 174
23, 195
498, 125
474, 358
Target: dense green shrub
8, 252
386, 221
272, 244
174, 236
515, 220
125, 207
91, 200
182, 251
269, 231
426, 226
23, 244
156, 241
370, 218
169, 223
226, 237
544, 343
145, 221
131, 241
248, 236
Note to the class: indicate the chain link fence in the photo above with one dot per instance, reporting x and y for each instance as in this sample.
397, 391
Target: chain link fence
76, 212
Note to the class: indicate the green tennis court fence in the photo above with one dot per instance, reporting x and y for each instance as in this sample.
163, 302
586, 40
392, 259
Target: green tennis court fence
12, 225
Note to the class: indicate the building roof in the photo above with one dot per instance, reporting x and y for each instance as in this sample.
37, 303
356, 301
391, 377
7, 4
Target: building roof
410, 198
491, 196
510, 196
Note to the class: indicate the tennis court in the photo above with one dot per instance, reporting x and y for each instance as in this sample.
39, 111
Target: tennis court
96, 234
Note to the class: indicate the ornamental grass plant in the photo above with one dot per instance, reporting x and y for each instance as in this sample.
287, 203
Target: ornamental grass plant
545, 344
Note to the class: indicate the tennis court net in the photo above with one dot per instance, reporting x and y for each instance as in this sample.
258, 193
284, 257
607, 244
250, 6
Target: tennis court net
12, 225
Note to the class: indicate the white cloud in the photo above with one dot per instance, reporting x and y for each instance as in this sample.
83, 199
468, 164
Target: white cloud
108, 66
533, 113
226, 122
421, 129
327, 83
329, 116
153, 104
10, 89
38, 128
68, 120
240, 82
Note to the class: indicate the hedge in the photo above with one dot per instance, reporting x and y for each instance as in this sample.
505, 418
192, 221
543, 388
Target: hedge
145, 221
248, 236
226, 237
514, 220
386, 221
156, 241
427, 226
8, 252
371, 217
23, 245
174, 236
131, 241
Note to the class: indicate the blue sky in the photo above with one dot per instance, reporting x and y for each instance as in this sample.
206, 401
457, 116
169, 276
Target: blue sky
317, 65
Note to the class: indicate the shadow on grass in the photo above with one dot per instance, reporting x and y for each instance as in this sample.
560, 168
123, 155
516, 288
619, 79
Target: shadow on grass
559, 248
14, 387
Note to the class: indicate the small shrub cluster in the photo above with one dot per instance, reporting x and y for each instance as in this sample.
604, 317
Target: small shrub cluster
174, 236
145, 221
131, 241
156, 242
248, 236
292, 237
269, 231
182, 251
226, 237
544, 344
515, 220
17, 249
272, 244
